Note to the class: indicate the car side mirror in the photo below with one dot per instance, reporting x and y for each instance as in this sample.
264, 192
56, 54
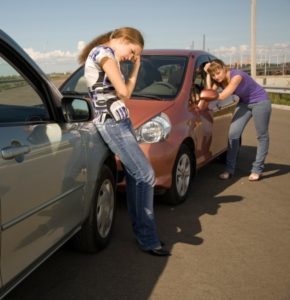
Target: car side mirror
76, 109
208, 95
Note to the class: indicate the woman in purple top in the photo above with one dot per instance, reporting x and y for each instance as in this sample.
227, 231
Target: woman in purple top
254, 102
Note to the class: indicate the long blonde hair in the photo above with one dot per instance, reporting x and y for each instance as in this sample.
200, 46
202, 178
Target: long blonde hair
131, 34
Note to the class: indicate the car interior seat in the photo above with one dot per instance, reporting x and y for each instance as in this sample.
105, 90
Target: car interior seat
175, 78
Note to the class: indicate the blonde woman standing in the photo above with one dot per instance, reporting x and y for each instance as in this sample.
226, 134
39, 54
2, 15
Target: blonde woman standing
254, 103
109, 92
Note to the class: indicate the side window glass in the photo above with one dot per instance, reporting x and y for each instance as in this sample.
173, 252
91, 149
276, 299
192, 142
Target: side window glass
200, 75
198, 82
199, 78
19, 102
76, 84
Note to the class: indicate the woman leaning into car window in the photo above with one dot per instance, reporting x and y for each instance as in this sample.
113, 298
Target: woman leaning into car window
254, 102
109, 92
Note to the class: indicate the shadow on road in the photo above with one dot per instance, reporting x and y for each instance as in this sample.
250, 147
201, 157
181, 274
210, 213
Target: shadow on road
182, 223
273, 170
122, 271
247, 156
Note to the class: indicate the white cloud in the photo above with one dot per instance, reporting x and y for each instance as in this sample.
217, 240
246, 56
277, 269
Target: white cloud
81, 45
56, 60
66, 61
244, 48
242, 53
282, 45
50, 55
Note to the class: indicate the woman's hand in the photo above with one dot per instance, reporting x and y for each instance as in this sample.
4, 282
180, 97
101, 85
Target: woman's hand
136, 60
206, 67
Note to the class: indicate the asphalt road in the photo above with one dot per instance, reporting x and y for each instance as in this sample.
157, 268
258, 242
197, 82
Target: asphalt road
229, 240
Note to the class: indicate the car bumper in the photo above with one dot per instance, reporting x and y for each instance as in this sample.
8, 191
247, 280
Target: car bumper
161, 157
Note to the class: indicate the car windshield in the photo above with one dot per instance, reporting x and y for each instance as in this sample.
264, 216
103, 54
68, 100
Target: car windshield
160, 78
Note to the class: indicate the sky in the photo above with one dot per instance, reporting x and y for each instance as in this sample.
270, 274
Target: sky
53, 32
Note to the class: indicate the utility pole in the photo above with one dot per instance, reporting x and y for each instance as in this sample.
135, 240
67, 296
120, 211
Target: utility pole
253, 38
203, 43
192, 45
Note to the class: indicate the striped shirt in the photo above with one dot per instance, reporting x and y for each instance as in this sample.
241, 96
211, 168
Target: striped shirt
99, 85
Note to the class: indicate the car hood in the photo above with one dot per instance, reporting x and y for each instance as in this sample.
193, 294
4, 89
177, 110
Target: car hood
143, 110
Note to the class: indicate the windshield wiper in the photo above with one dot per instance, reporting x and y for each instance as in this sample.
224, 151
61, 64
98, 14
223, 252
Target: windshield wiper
147, 96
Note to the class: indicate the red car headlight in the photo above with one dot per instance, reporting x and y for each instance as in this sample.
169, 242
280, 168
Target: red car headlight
154, 130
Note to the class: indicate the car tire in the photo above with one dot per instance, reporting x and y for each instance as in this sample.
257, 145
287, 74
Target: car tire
182, 176
97, 229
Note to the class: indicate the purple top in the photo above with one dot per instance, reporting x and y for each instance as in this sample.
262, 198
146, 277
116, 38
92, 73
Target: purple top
248, 90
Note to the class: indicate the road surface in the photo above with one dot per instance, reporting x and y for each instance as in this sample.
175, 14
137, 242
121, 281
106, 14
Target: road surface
229, 240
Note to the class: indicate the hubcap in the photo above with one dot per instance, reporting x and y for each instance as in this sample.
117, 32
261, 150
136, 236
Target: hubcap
183, 175
105, 208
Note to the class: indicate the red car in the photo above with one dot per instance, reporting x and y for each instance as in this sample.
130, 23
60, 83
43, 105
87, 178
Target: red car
176, 137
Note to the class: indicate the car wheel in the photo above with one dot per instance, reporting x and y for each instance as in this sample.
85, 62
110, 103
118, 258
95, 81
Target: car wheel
182, 176
97, 230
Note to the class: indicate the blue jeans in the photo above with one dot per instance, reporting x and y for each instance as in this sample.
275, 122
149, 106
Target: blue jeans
261, 113
140, 179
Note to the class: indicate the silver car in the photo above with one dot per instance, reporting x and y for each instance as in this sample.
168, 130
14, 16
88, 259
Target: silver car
57, 177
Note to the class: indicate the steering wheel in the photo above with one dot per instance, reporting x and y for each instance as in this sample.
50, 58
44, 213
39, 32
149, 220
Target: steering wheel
167, 84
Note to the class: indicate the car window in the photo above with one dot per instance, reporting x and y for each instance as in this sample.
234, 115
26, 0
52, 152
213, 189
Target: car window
76, 84
199, 73
19, 102
199, 76
160, 76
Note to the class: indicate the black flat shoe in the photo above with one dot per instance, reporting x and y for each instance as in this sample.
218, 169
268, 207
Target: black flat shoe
225, 175
161, 243
158, 252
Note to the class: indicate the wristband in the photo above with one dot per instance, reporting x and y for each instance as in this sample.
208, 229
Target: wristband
117, 110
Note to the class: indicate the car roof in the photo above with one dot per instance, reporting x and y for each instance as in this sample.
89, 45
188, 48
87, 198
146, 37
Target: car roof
181, 52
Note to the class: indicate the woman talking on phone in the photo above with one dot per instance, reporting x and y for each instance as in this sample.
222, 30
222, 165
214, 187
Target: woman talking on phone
109, 92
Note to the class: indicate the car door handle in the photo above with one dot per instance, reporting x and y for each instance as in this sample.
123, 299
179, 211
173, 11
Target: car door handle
12, 151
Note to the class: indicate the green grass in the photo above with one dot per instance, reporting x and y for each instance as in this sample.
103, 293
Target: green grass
283, 99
